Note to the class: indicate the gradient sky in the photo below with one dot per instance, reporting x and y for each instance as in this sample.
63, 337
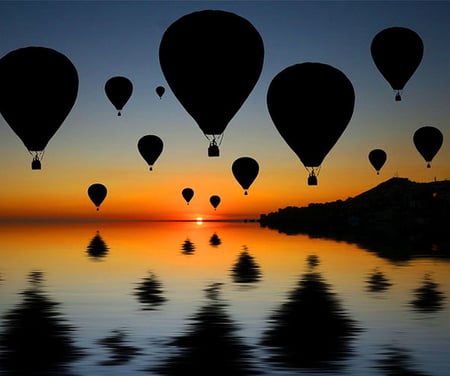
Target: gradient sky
105, 39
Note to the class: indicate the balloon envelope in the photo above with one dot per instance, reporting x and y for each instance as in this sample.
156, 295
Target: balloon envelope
97, 193
215, 201
428, 140
38, 89
118, 90
377, 158
187, 194
245, 170
397, 52
160, 91
311, 105
211, 60
150, 147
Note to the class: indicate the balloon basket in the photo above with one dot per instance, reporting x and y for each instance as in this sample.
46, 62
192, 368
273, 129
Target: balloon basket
36, 164
213, 151
312, 180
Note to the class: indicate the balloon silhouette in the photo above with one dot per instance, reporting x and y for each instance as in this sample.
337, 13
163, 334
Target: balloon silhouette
428, 140
311, 105
97, 193
211, 60
245, 170
377, 158
118, 90
150, 147
215, 201
160, 91
187, 194
397, 52
38, 89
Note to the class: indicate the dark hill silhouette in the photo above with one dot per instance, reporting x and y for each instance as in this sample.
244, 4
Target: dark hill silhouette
398, 219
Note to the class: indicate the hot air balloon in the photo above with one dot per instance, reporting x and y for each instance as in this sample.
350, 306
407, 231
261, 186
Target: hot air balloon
150, 147
215, 201
97, 193
245, 170
397, 52
118, 90
211, 60
428, 140
160, 91
38, 89
311, 105
187, 194
377, 158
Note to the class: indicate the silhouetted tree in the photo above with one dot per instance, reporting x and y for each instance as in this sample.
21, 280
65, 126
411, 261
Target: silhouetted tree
377, 282
187, 248
215, 240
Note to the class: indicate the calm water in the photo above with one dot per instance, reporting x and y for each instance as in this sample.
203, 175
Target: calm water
214, 299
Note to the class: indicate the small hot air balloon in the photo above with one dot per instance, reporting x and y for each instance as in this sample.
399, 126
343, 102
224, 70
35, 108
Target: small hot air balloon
215, 201
38, 88
160, 91
428, 140
187, 194
97, 193
245, 170
377, 158
397, 52
150, 147
211, 60
118, 90
311, 105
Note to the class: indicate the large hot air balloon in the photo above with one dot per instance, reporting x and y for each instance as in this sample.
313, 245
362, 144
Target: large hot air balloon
377, 158
160, 91
211, 60
38, 88
215, 201
311, 105
397, 52
97, 193
245, 170
428, 140
118, 90
187, 194
150, 147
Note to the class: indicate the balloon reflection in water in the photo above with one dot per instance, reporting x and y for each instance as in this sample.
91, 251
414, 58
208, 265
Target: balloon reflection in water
120, 351
187, 248
149, 292
97, 248
214, 240
310, 330
245, 270
377, 282
397, 361
36, 339
428, 297
211, 345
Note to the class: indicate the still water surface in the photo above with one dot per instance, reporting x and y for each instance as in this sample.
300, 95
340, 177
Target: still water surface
214, 299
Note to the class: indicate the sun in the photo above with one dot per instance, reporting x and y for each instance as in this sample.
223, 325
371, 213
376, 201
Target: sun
199, 220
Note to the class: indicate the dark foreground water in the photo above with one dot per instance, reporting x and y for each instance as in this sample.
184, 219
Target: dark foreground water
215, 299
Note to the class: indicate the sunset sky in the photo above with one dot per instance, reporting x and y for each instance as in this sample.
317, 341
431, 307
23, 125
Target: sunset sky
94, 145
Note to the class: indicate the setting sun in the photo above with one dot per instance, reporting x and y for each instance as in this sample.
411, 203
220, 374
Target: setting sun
199, 220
